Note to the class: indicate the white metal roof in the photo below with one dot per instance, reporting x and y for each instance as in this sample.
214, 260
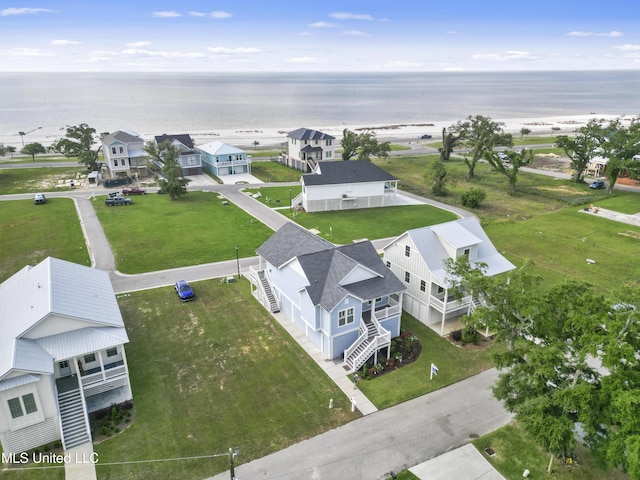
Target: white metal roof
52, 289
18, 381
219, 148
81, 342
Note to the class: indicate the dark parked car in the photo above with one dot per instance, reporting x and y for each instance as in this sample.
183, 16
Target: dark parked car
425, 137
598, 184
184, 291
39, 198
134, 191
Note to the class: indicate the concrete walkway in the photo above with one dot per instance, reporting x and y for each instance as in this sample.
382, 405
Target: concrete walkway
81, 464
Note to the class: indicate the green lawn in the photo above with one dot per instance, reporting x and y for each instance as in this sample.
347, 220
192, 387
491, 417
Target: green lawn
454, 364
214, 373
270, 195
274, 172
43, 179
30, 233
515, 453
155, 233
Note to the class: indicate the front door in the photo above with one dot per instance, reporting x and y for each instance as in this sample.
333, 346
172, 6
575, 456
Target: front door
65, 369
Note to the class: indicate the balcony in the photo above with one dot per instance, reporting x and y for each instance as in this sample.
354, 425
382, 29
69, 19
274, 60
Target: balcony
97, 375
451, 305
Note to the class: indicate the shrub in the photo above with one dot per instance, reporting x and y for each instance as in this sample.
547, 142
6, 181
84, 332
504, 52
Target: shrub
469, 335
456, 335
473, 197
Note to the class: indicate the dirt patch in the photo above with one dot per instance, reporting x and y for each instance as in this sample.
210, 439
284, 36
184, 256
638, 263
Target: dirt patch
483, 343
550, 162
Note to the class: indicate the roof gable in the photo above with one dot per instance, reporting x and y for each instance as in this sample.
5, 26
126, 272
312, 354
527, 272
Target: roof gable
124, 136
290, 241
309, 134
351, 171
183, 138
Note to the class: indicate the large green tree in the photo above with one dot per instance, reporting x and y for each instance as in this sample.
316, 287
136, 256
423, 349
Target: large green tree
449, 142
33, 149
79, 141
365, 145
619, 143
511, 168
480, 134
173, 183
582, 147
6, 149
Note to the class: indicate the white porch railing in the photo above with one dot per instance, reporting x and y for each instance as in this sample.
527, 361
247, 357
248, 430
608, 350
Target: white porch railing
103, 375
234, 163
297, 200
451, 305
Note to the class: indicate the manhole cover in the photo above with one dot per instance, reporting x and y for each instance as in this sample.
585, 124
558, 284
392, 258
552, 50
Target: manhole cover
490, 451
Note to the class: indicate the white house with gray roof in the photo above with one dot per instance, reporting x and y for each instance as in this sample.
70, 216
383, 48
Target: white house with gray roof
346, 185
344, 299
124, 154
221, 159
418, 257
306, 147
61, 354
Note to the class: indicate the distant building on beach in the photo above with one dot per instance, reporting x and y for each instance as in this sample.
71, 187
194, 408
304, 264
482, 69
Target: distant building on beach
307, 147
124, 154
190, 159
220, 159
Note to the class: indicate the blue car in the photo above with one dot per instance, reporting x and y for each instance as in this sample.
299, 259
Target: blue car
184, 291
598, 184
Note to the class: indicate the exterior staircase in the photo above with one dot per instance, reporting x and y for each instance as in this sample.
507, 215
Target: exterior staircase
72, 419
475, 303
266, 287
311, 162
372, 338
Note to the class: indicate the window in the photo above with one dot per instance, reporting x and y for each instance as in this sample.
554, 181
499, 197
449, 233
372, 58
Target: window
328, 143
16, 405
466, 252
327, 154
112, 352
29, 403
388, 264
192, 161
346, 317
407, 277
440, 289
407, 250
113, 150
90, 358
316, 142
121, 150
423, 286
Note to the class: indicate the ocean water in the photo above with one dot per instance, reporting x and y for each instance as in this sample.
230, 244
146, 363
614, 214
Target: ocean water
156, 103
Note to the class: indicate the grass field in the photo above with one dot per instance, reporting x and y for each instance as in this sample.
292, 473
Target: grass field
43, 179
411, 381
214, 373
275, 196
274, 172
30, 233
515, 453
155, 233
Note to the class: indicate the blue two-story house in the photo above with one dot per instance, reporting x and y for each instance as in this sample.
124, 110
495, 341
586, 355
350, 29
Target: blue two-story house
345, 300
221, 159
190, 159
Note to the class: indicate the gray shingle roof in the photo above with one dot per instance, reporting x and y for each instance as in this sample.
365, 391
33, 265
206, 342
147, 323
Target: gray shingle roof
351, 171
121, 136
325, 266
309, 134
183, 138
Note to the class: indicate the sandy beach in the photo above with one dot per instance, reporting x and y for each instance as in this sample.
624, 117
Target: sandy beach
274, 137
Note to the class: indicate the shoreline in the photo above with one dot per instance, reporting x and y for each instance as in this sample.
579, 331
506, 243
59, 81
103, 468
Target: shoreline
274, 137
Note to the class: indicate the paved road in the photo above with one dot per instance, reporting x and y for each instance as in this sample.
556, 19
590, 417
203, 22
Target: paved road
388, 440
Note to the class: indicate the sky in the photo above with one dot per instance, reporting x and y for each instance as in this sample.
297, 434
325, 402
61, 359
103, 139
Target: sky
328, 35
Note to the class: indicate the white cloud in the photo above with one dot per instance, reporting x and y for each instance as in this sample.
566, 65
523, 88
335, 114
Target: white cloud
400, 64
23, 11
302, 60
232, 51
64, 43
503, 57
355, 33
219, 14
323, 25
27, 52
627, 47
351, 16
162, 54
165, 14
138, 44
612, 34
